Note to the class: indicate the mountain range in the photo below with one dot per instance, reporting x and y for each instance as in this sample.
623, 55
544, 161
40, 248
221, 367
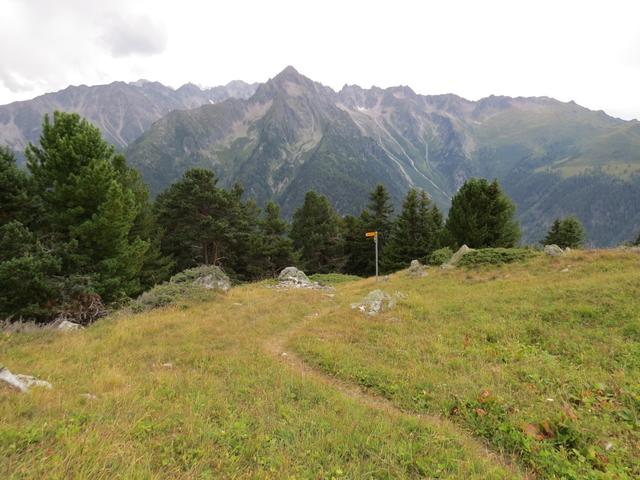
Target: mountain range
123, 111
289, 135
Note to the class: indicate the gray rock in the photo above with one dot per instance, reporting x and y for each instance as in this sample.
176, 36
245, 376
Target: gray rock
553, 250
291, 277
210, 277
67, 326
214, 282
292, 274
377, 301
417, 269
22, 382
455, 258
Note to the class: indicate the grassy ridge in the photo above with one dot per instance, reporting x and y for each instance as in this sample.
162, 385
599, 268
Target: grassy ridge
223, 408
542, 362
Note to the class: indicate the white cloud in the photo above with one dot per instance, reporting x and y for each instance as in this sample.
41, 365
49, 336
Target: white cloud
585, 51
126, 36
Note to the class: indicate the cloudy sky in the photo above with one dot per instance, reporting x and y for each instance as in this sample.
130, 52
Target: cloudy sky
587, 51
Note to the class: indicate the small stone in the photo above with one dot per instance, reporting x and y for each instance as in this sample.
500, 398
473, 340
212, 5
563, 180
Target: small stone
284, 354
167, 365
89, 396
564, 270
67, 326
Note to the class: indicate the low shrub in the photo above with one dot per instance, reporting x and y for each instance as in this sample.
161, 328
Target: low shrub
495, 256
197, 283
440, 256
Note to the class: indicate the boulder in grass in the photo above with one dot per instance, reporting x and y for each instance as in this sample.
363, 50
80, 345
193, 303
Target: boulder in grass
377, 301
417, 269
21, 382
293, 275
67, 326
291, 278
453, 261
553, 250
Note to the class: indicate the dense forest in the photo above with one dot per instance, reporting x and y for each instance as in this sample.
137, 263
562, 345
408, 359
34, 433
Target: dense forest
78, 229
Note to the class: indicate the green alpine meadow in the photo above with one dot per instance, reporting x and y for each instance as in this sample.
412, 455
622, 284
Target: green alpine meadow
518, 370
413, 256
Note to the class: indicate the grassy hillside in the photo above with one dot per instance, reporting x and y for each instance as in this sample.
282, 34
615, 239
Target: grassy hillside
520, 371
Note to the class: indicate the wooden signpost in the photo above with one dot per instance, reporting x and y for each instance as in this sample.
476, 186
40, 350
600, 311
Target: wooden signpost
374, 235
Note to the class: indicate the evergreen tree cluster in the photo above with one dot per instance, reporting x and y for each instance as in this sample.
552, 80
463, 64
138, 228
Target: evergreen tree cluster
566, 232
79, 226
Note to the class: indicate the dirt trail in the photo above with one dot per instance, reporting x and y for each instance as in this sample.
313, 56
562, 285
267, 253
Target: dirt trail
277, 346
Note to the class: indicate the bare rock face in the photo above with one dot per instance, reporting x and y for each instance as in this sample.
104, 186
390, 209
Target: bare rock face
21, 382
453, 261
553, 250
417, 269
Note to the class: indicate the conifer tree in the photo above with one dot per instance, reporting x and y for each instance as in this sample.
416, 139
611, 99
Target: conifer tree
193, 214
415, 234
14, 197
273, 248
481, 216
316, 235
359, 251
28, 274
567, 232
87, 212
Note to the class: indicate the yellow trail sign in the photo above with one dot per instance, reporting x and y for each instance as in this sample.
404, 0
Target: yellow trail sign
370, 234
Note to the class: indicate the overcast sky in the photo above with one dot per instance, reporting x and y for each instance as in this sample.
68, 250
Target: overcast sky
587, 51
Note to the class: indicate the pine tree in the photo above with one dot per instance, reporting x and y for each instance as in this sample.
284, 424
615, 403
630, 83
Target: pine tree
29, 282
359, 250
87, 212
316, 235
481, 216
567, 232
359, 253
415, 234
193, 214
273, 248
14, 196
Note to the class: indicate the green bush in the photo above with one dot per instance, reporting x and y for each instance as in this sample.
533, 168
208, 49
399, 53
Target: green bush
440, 256
495, 256
182, 286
